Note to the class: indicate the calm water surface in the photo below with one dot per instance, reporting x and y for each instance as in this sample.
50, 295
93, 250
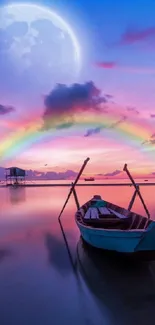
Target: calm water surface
37, 282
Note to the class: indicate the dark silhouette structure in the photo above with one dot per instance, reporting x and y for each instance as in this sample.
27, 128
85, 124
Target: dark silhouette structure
15, 176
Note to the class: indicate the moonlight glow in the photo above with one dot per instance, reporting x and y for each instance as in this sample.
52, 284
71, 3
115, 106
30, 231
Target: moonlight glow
42, 12
38, 49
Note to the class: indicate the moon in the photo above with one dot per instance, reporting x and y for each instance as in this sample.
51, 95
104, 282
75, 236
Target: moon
38, 49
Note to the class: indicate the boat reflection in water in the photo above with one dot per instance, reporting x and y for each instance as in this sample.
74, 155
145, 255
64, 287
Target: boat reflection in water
124, 286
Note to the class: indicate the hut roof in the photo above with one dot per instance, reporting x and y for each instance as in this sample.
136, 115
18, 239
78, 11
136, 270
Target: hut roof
9, 168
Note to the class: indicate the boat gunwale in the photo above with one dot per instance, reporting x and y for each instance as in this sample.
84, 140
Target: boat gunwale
88, 226
112, 230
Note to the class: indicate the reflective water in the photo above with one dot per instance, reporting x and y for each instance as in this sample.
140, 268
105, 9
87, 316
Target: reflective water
37, 282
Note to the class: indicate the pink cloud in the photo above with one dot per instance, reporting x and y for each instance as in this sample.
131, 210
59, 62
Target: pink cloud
106, 64
123, 68
116, 172
135, 36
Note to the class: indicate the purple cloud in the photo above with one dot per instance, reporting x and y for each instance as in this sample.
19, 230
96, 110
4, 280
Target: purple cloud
93, 131
116, 172
133, 110
99, 128
6, 109
115, 124
136, 36
108, 96
152, 115
64, 102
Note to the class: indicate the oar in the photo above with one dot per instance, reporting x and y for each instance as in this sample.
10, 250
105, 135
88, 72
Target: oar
73, 185
137, 190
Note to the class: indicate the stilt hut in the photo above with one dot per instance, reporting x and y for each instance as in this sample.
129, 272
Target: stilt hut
15, 176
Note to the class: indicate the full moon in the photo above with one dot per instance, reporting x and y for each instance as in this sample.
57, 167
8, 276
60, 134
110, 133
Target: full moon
38, 49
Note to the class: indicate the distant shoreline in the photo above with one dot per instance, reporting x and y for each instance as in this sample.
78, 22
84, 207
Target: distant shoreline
83, 184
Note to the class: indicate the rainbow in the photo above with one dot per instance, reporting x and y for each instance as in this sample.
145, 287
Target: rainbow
129, 133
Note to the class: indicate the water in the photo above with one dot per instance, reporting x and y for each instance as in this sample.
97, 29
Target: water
37, 282
82, 181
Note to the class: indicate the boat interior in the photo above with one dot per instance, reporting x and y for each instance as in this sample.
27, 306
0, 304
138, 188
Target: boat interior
110, 216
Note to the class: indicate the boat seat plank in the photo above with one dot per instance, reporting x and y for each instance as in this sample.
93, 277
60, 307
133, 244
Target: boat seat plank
98, 213
87, 214
106, 217
104, 210
92, 213
119, 215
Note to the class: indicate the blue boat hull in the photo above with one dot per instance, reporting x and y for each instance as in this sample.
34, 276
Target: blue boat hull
119, 240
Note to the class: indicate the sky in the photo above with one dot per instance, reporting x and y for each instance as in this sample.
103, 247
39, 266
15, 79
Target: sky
87, 91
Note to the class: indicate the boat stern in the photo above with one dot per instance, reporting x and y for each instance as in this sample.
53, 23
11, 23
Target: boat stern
147, 242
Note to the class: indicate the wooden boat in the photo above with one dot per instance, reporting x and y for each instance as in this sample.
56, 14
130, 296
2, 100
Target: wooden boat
107, 226
114, 228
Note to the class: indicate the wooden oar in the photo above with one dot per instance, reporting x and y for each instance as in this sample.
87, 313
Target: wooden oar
137, 190
73, 185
